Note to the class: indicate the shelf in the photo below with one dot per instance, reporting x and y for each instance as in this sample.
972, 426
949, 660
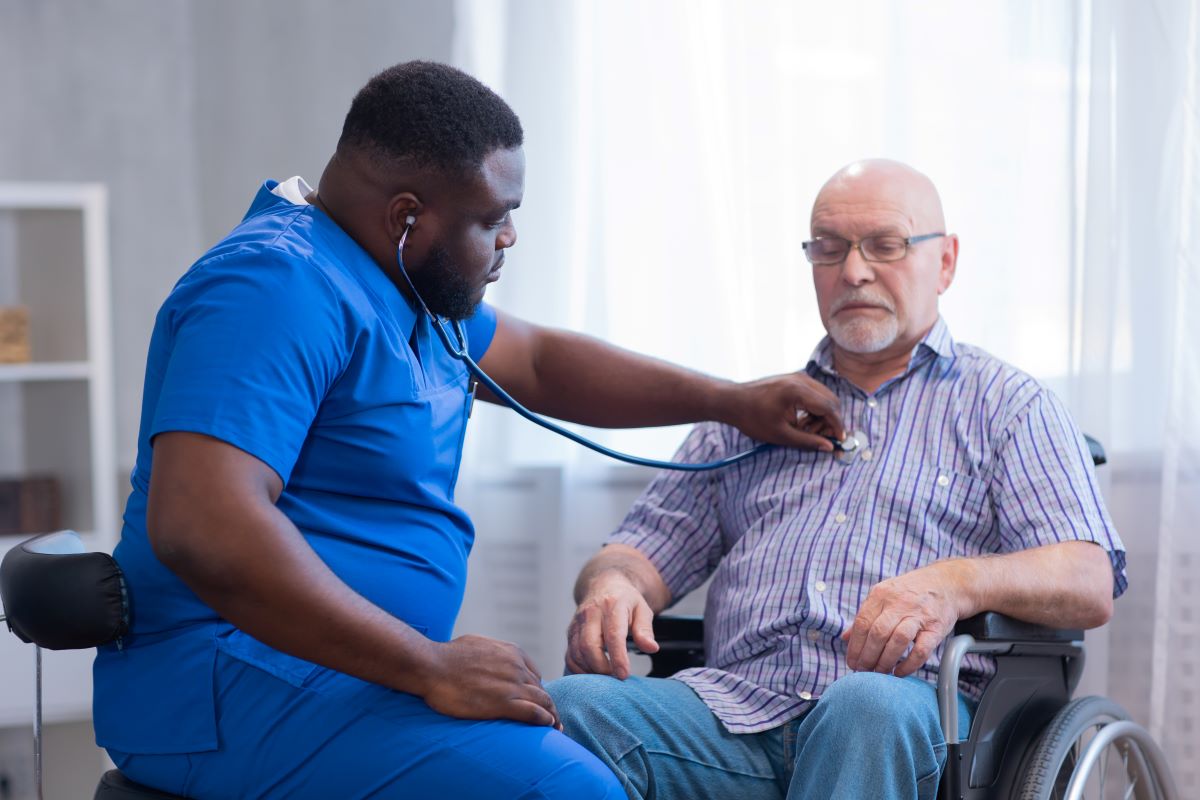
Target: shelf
45, 371
32, 196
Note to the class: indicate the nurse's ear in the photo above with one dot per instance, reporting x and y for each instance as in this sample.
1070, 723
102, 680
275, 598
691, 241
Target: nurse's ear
402, 213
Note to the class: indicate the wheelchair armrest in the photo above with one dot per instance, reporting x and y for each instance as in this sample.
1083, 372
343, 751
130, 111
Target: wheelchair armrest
679, 632
991, 626
680, 645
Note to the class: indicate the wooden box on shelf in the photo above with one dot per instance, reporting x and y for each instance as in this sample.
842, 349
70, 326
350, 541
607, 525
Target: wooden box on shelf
30, 505
14, 335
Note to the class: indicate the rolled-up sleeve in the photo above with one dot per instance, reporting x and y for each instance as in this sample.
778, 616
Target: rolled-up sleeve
675, 523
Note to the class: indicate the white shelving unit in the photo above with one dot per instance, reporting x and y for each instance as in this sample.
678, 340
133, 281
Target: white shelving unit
56, 412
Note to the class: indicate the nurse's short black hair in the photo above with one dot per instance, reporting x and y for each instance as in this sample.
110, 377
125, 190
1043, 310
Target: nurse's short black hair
429, 115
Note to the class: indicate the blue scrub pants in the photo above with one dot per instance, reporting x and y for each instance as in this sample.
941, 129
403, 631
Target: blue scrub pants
869, 736
336, 736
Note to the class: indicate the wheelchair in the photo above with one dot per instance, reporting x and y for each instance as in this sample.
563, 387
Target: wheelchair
1028, 739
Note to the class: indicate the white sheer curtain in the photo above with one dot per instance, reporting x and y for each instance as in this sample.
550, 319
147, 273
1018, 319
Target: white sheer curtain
1135, 376
674, 150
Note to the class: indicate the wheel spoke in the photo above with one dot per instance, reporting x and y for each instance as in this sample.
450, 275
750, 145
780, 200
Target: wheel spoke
1133, 779
1103, 770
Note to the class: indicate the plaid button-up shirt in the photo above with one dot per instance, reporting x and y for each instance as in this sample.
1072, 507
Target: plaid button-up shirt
961, 455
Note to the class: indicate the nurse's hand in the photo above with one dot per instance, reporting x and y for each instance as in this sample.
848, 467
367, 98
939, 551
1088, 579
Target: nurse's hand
474, 677
793, 410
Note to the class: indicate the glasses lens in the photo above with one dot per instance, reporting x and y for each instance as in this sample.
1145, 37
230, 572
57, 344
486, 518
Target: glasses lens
884, 248
827, 250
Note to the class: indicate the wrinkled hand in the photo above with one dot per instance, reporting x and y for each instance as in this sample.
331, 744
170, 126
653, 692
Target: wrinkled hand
613, 610
792, 410
917, 609
475, 677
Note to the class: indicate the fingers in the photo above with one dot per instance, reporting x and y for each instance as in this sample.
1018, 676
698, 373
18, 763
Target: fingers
860, 631
642, 628
878, 635
877, 646
536, 694
531, 713
587, 654
897, 643
926, 642
807, 441
616, 629
819, 401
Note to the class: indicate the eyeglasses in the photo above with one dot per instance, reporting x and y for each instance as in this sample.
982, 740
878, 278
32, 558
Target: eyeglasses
829, 250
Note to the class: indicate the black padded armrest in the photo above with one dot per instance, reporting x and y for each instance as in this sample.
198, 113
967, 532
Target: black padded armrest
687, 632
60, 597
679, 631
990, 626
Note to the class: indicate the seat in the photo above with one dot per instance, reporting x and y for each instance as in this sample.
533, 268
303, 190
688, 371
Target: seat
59, 596
1028, 740
115, 786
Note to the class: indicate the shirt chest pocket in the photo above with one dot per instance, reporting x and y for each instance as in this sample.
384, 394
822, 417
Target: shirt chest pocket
938, 512
395, 438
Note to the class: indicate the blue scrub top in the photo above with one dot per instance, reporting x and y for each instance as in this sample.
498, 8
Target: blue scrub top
289, 342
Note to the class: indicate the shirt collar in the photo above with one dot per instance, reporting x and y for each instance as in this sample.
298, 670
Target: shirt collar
938, 343
345, 249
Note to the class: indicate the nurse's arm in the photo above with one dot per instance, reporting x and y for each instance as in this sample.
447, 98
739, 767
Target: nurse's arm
581, 379
212, 520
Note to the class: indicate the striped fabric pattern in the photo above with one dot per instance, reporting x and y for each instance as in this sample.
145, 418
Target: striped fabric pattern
961, 455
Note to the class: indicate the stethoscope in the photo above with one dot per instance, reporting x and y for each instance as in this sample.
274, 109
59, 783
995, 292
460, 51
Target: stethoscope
458, 349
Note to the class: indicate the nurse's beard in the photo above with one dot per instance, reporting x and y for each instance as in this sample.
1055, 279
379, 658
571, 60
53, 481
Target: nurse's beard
443, 288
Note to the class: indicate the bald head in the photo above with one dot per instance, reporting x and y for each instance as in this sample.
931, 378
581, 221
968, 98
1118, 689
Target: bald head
881, 181
881, 297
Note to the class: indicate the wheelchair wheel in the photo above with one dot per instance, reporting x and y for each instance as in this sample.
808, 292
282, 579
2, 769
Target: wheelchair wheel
1120, 771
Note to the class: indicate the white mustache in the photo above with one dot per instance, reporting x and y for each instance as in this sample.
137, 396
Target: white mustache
862, 297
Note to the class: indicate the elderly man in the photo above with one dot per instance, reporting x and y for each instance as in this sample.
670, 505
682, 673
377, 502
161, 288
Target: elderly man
836, 577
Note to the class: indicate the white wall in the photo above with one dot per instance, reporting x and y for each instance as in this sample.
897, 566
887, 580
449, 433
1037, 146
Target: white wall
181, 108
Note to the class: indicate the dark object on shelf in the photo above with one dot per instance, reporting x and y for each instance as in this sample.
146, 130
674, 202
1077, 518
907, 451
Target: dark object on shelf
30, 505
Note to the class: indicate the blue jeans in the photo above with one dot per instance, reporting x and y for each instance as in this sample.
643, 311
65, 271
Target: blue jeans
870, 735
333, 736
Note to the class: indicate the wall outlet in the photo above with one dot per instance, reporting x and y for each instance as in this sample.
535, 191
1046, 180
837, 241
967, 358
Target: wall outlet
16, 764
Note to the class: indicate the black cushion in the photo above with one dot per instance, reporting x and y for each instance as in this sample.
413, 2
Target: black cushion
60, 597
115, 786
990, 626
679, 631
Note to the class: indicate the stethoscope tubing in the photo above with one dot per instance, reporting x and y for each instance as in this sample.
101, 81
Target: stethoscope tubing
460, 353
495, 388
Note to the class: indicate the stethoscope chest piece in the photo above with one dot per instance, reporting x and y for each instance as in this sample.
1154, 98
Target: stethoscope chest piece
848, 449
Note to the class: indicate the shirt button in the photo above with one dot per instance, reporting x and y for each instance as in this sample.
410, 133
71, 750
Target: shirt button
806, 695
867, 455
872, 402
839, 518
943, 480
814, 635
820, 587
